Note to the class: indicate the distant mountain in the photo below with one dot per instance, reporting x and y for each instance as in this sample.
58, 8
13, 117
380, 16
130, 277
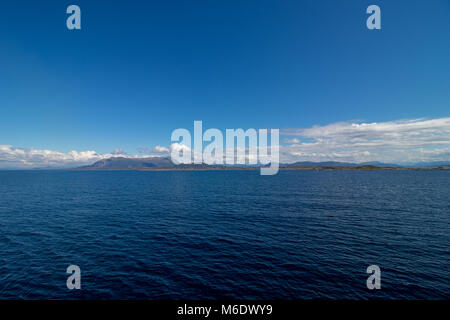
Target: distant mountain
433, 164
319, 164
117, 163
380, 164
131, 163
339, 164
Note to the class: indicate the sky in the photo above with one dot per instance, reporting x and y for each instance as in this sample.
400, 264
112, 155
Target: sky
137, 70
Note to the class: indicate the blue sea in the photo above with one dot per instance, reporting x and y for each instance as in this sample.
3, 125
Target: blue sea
225, 234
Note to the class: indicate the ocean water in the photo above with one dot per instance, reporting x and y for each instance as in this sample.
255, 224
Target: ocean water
224, 234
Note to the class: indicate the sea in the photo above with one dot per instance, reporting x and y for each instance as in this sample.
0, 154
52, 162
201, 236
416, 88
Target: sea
225, 234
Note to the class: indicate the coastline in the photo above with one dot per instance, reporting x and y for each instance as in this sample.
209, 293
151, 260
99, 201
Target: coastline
363, 168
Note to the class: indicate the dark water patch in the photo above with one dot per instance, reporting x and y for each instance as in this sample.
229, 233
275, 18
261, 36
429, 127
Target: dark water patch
233, 234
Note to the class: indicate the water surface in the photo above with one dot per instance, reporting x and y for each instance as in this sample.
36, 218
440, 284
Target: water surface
224, 234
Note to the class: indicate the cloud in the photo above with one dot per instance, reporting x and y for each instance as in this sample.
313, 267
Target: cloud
28, 158
293, 140
155, 151
180, 149
418, 140
13, 157
394, 141
119, 152
160, 150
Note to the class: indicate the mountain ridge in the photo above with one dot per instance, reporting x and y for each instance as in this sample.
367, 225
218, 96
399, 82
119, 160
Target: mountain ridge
117, 163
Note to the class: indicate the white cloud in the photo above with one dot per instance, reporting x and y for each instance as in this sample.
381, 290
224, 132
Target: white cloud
119, 152
28, 158
395, 141
160, 150
155, 151
180, 149
293, 140
12, 157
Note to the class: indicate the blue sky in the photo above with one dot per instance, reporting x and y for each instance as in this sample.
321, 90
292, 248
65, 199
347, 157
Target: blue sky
139, 69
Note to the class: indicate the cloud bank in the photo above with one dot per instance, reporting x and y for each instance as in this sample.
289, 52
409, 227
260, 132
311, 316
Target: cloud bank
418, 140
403, 141
12, 157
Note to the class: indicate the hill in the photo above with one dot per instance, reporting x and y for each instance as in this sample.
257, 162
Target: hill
131, 163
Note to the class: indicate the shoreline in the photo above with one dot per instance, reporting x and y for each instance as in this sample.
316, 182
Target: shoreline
215, 168
364, 168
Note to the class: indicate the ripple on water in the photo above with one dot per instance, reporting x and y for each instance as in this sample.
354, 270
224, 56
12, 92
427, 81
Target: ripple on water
234, 234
